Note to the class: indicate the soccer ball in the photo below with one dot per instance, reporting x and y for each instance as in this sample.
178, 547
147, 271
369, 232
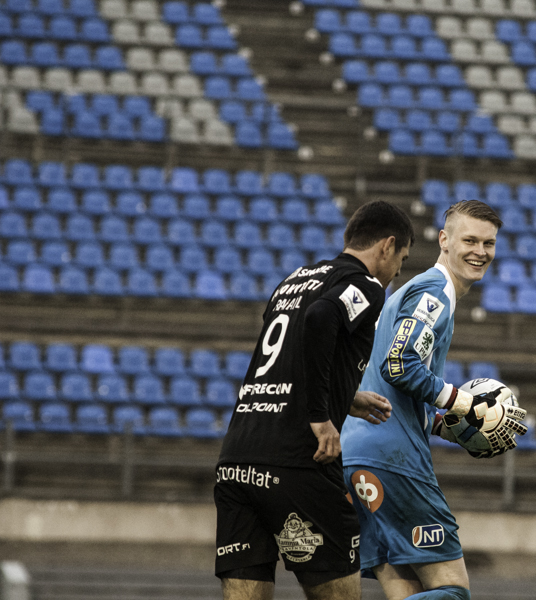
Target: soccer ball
468, 436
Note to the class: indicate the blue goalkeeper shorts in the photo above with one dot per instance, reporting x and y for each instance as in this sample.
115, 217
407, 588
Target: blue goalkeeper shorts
403, 521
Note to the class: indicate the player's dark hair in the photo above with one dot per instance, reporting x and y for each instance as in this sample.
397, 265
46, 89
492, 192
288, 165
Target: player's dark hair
475, 209
375, 221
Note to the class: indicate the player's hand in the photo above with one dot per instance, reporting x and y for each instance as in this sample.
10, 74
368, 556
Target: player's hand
329, 442
370, 406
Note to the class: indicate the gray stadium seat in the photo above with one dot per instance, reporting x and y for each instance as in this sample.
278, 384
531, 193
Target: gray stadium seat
113, 9
479, 77
187, 86
158, 34
464, 51
449, 27
140, 59
494, 52
145, 10
58, 80
154, 84
126, 31
185, 131
122, 83
172, 61
25, 78
91, 81
510, 78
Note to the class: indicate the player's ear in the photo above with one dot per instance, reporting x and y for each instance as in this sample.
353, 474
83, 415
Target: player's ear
443, 241
389, 246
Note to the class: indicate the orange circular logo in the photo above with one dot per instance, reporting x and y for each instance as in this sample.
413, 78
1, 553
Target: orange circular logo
369, 489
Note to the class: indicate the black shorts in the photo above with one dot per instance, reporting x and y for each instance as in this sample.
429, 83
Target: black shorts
301, 513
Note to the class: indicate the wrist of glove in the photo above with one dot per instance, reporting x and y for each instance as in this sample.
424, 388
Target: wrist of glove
486, 413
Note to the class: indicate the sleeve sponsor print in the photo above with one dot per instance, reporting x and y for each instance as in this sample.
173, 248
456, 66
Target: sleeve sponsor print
396, 351
425, 343
354, 300
429, 309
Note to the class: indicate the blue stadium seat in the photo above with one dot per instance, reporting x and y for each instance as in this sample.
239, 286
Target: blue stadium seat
386, 72
248, 135
137, 106
227, 260
291, 260
123, 256
496, 146
466, 190
281, 184
418, 120
61, 358
204, 363
247, 235
38, 101
418, 74
189, 36
281, 136
38, 279
235, 65
355, 71
419, 25
39, 386
373, 46
151, 179
91, 418
525, 246
269, 283
130, 204
514, 220
218, 87
6, 26
204, 63
295, 211
201, 423
526, 195
96, 358
502, 247
27, 199
216, 181
13, 52
114, 229
481, 370
280, 236
260, 261
51, 174
214, 233
181, 232
141, 283
193, 259
24, 356
55, 254
314, 185
79, 228
89, 255
159, 258
434, 143
525, 300
73, 280
466, 144
18, 172
498, 194
62, 28
263, 210
435, 192
210, 285
523, 53
75, 104
512, 271
44, 54
196, 206
508, 31
480, 123
402, 141
328, 21
249, 183
55, 417
77, 56
497, 298
431, 98
232, 111
75, 387
96, 202
229, 208
449, 75
147, 231
152, 129
404, 47
220, 393
128, 418
388, 23
116, 177
9, 387
448, 122
184, 391
164, 421
87, 124
20, 252
434, 49
236, 365
220, 38
243, 287
454, 373
31, 26
119, 127
85, 176
169, 362
327, 213
358, 22
184, 180
400, 96
109, 58
20, 414
163, 205
312, 238
175, 13
148, 389
112, 388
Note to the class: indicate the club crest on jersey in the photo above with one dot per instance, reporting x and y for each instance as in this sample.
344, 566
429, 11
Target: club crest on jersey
425, 343
396, 351
354, 300
369, 489
297, 541
428, 536
428, 310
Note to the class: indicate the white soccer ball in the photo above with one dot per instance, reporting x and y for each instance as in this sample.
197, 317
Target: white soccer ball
466, 435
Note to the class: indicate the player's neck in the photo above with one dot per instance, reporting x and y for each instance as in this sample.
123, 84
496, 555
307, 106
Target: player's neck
461, 287
367, 257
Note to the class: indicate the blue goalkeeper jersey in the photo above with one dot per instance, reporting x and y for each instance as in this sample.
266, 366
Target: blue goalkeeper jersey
406, 366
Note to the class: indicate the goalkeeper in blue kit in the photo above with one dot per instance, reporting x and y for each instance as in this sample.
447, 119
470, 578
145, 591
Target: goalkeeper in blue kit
409, 539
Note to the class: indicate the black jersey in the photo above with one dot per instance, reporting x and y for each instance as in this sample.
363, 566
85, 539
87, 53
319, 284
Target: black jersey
309, 360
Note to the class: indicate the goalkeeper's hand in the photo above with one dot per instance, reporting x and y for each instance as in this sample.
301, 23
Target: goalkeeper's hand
486, 413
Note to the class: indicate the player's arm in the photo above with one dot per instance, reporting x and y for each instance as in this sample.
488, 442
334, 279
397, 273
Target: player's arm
324, 320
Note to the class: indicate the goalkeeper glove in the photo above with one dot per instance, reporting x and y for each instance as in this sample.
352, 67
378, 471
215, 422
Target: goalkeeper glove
497, 422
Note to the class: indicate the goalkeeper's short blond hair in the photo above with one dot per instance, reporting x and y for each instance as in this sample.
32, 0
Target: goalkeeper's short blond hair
473, 208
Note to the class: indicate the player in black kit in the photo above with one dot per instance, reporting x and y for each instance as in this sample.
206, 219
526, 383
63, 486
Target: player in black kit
280, 487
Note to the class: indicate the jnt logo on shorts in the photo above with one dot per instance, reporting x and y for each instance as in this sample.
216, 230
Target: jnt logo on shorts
369, 489
428, 536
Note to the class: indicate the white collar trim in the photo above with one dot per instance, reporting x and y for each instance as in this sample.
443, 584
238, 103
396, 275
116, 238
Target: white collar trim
449, 288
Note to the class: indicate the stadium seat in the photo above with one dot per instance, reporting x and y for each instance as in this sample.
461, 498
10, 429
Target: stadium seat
9, 387
164, 422
24, 356
498, 195
213, 233
133, 360
39, 386
73, 281
184, 391
163, 205
525, 300
512, 272
193, 259
38, 279
112, 388
312, 238
159, 258
220, 393
89, 255
97, 359
61, 358
229, 208
402, 141
123, 256
148, 389
209, 285
454, 373
76, 387
201, 423
55, 417
291, 260
13, 225
236, 365
55, 254
243, 287
128, 418
20, 252
249, 183
19, 414
481, 370
169, 362
227, 260
497, 298
91, 418
514, 220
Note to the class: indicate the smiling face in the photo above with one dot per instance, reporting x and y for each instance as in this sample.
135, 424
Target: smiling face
467, 249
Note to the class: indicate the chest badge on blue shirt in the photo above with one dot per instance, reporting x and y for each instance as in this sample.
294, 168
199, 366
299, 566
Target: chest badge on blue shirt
354, 300
428, 310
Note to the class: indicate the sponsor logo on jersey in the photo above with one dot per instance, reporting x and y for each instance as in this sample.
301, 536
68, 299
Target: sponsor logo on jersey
232, 548
290, 289
261, 407
369, 489
428, 309
248, 475
425, 343
301, 272
396, 351
354, 300
272, 389
428, 536
288, 303
297, 541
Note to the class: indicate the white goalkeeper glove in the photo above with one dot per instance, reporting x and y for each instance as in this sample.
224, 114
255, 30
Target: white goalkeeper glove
497, 422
